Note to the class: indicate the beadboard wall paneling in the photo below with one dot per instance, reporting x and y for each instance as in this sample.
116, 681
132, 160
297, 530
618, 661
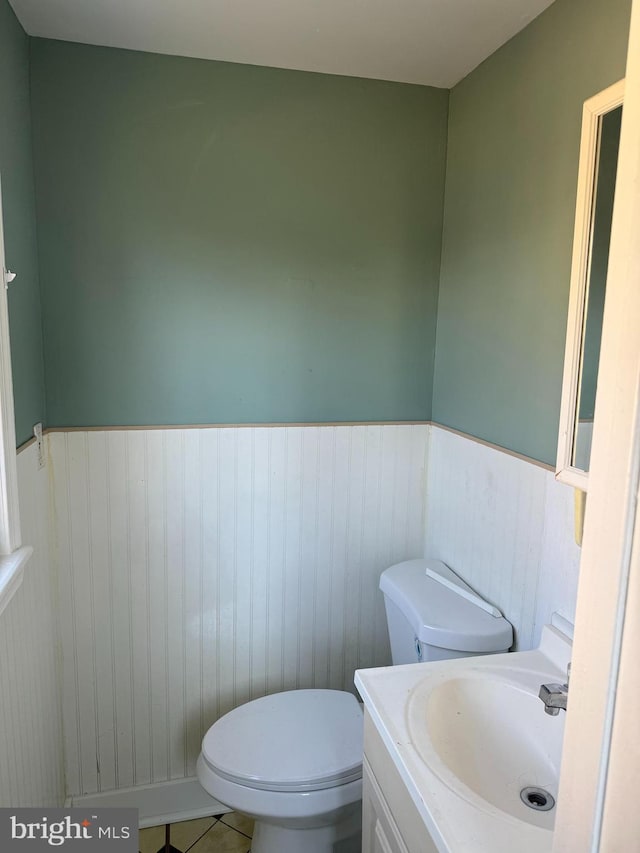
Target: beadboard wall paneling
202, 568
559, 557
506, 526
31, 760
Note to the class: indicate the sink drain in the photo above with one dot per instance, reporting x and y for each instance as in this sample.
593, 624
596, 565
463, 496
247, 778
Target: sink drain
537, 799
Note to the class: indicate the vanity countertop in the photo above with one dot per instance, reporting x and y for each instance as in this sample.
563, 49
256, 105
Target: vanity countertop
456, 817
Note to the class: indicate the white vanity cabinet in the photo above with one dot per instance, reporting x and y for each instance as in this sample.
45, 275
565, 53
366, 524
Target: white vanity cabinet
390, 821
379, 831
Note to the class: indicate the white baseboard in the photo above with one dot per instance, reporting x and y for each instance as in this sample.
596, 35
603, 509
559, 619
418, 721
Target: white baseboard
162, 802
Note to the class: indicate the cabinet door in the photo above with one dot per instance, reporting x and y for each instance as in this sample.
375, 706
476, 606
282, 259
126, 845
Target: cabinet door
383, 844
379, 831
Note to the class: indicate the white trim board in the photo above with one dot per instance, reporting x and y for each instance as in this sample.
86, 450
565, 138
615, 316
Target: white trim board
157, 804
12, 556
597, 808
570, 470
214, 425
55, 430
31, 742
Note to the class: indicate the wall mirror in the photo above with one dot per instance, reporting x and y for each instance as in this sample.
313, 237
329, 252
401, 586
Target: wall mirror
601, 120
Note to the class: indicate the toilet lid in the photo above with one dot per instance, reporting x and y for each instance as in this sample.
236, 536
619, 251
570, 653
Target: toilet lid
299, 740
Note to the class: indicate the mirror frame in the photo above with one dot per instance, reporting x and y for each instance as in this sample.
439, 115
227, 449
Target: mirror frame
594, 108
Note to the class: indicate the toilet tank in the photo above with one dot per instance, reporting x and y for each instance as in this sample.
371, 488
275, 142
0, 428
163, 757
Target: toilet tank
437, 619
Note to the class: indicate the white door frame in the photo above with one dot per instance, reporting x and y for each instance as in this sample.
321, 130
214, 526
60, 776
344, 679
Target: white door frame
13, 555
597, 802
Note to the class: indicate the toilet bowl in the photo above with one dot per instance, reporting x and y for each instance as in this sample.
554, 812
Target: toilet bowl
293, 762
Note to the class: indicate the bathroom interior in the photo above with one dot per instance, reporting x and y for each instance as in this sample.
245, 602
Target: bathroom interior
287, 320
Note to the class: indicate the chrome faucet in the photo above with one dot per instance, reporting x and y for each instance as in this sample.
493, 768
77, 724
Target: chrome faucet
555, 696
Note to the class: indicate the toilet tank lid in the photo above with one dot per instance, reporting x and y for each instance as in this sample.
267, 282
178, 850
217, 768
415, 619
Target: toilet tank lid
298, 740
437, 615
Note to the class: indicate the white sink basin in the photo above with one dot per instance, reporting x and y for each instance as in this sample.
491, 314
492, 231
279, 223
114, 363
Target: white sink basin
467, 735
485, 733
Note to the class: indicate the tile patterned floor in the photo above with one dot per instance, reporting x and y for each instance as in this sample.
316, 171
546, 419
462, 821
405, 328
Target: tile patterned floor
227, 833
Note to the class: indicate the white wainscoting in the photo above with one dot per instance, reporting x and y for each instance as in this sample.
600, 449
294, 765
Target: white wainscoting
31, 760
200, 568
506, 526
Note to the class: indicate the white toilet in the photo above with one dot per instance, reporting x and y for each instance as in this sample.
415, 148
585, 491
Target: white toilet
293, 760
438, 616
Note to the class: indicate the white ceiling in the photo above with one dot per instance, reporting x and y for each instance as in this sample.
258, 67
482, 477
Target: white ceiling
433, 42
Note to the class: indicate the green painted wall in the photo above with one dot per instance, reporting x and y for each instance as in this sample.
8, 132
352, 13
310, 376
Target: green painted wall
16, 172
514, 137
227, 243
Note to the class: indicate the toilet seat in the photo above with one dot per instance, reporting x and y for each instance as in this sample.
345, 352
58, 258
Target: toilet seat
279, 806
296, 741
